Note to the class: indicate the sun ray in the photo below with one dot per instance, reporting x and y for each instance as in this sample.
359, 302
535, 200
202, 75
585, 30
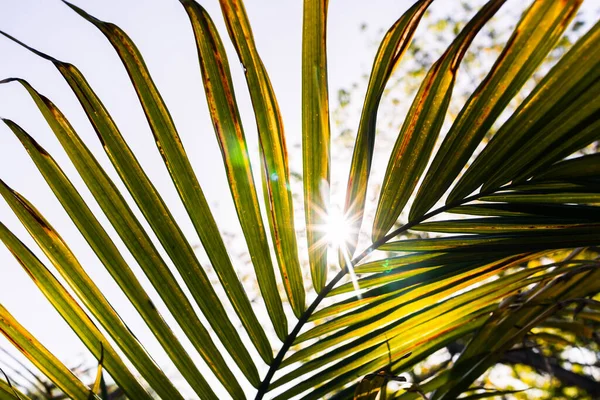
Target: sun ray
343, 249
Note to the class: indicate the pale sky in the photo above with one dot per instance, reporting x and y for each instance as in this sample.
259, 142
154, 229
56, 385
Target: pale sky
162, 32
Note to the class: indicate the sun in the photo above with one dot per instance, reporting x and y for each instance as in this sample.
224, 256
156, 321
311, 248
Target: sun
337, 228
337, 233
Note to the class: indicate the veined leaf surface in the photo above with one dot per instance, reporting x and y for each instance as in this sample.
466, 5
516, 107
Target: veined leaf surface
274, 161
422, 126
390, 52
42, 358
218, 87
538, 31
315, 136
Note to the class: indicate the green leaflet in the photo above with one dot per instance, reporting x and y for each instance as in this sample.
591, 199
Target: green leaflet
98, 382
315, 136
42, 358
422, 126
581, 167
556, 197
509, 225
75, 316
495, 243
551, 112
134, 235
410, 262
579, 120
275, 171
228, 128
181, 171
390, 52
536, 34
580, 329
108, 253
559, 149
71, 270
566, 211
552, 187
451, 243
590, 316
552, 338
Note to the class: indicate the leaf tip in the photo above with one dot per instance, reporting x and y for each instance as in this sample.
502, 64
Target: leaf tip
34, 51
84, 14
7, 80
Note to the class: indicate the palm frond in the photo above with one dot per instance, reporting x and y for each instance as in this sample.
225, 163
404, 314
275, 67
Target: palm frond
489, 266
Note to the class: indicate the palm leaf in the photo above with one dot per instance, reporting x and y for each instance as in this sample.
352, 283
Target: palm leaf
220, 96
106, 250
42, 358
274, 162
131, 231
535, 35
568, 81
478, 276
315, 136
576, 168
75, 317
390, 52
422, 126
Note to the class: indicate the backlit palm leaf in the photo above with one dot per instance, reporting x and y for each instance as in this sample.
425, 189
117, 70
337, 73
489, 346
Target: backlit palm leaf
484, 279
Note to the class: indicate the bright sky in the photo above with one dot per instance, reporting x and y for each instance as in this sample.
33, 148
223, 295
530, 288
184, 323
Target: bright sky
161, 30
